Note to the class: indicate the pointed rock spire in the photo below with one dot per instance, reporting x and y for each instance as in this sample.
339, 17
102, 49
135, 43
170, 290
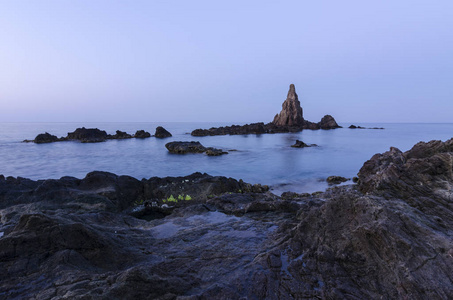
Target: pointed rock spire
291, 114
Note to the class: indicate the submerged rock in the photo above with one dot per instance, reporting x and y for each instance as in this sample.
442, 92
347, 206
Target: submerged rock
162, 132
300, 144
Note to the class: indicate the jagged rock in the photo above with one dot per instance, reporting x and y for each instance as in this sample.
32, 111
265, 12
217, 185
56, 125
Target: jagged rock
336, 180
91, 135
328, 122
141, 134
291, 114
300, 144
120, 135
77, 238
425, 170
162, 132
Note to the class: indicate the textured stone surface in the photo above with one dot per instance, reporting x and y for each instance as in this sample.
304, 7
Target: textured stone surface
291, 114
115, 237
162, 132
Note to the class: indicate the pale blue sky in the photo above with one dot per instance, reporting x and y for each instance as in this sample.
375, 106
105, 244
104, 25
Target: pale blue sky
376, 61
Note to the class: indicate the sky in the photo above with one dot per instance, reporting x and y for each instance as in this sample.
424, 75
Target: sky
226, 61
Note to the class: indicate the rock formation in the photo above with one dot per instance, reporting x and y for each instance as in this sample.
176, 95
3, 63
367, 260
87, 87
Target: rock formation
192, 147
162, 132
203, 237
290, 119
300, 144
291, 114
88, 135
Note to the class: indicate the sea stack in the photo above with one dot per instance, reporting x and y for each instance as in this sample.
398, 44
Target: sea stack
291, 114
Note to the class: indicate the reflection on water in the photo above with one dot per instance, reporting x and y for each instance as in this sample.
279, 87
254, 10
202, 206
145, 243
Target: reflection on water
266, 159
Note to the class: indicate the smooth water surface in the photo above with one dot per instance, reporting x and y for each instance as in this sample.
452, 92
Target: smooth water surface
266, 159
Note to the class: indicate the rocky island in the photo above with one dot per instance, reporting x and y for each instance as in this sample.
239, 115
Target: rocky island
290, 119
95, 135
203, 237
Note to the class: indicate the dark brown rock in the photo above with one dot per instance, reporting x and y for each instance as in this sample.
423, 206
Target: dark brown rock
328, 122
120, 135
45, 138
336, 179
185, 147
91, 135
300, 144
162, 132
141, 134
291, 114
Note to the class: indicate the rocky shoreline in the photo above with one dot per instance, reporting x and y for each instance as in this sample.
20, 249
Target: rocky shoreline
203, 237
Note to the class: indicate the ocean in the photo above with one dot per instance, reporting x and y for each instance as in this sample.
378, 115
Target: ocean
265, 159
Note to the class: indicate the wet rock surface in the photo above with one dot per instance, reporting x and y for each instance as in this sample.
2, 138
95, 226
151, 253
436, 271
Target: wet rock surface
336, 179
210, 237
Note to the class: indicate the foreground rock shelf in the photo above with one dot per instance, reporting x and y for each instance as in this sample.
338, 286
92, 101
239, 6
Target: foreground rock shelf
204, 237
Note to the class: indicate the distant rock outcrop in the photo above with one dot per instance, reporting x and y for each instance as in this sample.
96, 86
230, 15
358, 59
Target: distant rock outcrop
45, 138
328, 122
192, 147
300, 144
290, 119
90, 135
162, 132
141, 134
291, 114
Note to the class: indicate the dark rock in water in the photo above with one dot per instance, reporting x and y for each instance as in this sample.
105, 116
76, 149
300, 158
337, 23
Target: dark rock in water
360, 127
45, 138
185, 147
254, 128
192, 147
291, 114
336, 179
162, 132
290, 119
214, 152
328, 122
300, 144
120, 135
141, 134
91, 135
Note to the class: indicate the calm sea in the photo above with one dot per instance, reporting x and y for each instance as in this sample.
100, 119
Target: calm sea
266, 159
